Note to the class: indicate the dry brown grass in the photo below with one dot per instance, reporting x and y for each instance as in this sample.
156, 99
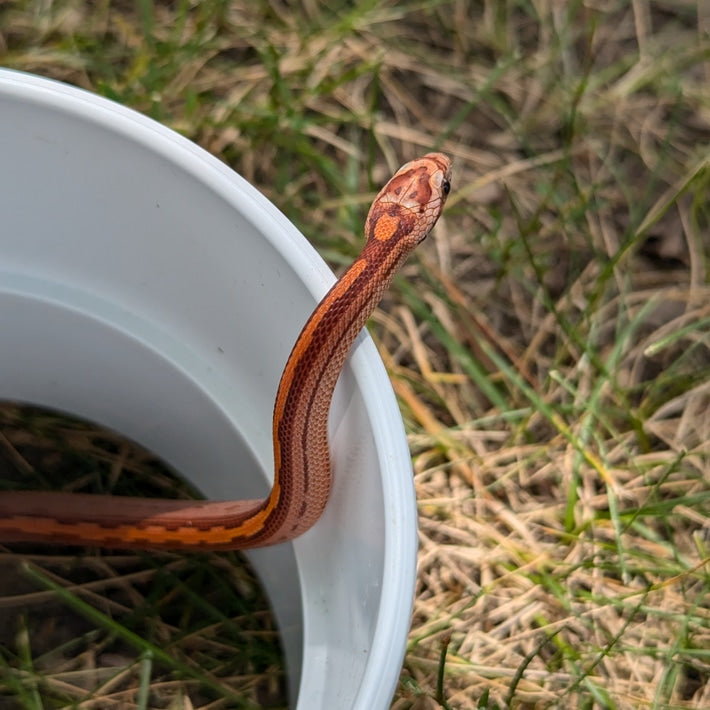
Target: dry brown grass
549, 344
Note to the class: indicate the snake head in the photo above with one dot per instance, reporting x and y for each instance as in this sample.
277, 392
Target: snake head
408, 206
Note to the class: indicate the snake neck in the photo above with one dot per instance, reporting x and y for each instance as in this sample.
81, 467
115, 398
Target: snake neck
306, 390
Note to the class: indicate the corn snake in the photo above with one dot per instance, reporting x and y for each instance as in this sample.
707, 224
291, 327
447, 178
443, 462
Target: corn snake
400, 217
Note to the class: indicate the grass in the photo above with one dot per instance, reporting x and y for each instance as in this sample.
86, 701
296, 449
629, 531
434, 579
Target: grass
549, 344
121, 630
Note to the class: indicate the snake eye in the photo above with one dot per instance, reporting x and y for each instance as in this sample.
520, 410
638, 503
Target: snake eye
446, 187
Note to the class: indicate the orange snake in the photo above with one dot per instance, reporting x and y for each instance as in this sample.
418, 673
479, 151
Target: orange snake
400, 217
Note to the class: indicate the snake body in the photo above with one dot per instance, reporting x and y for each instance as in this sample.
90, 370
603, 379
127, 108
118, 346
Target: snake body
400, 217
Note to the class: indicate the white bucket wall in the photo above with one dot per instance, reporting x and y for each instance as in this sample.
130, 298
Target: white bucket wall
147, 287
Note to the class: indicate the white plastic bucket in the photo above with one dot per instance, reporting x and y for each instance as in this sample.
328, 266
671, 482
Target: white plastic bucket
147, 287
